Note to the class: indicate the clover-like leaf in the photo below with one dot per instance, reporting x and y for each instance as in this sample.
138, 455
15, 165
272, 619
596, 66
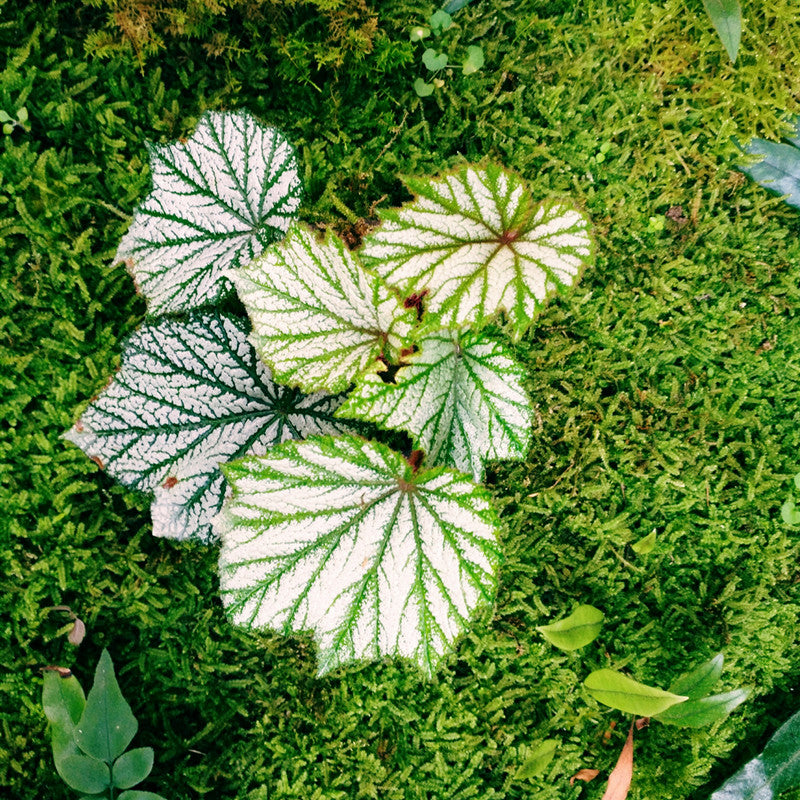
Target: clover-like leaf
342, 537
190, 396
474, 243
217, 200
434, 61
319, 319
461, 396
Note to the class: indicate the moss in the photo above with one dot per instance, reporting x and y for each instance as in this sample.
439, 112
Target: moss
666, 394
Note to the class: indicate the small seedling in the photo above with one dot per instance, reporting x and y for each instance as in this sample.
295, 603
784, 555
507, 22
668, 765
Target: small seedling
10, 124
90, 735
436, 61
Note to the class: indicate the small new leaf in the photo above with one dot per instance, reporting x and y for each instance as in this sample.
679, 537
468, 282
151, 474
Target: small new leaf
462, 397
537, 760
422, 88
217, 200
474, 60
319, 319
189, 396
434, 61
577, 630
476, 244
345, 538
107, 724
619, 691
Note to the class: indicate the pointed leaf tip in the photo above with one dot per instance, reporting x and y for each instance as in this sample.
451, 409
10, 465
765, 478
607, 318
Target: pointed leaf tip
217, 199
621, 692
575, 631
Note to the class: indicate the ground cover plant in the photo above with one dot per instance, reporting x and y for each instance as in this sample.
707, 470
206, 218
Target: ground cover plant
663, 395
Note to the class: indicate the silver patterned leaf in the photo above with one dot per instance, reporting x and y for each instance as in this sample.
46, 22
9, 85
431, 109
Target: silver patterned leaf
190, 396
319, 319
461, 396
218, 199
341, 537
473, 243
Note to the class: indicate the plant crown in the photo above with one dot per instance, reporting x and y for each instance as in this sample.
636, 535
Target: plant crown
376, 552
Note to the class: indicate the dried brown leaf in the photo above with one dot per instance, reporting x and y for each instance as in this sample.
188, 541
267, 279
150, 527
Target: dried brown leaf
77, 633
619, 781
584, 775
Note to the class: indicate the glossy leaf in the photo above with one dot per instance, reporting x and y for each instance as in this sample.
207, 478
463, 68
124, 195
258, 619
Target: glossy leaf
319, 319
703, 711
473, 243
726, 15
340, 536
537, 760
191, 395
577, 630
619, 691
775, 770
84, 774
132, 767
107, 724
700, 681
461, 396
217, 200
779, 168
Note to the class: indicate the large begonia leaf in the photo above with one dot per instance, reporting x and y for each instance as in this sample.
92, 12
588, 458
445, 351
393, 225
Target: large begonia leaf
461, 396
188, 397
474, 243
342, 537
319, 319
218, 199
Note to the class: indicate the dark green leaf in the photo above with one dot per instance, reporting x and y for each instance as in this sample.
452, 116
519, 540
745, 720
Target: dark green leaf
704, 711
619, 691
772, 772
132, 767
84, 774
137, 795
576, 630
700, 681
727, 18
107, 724
779, 169
537, 760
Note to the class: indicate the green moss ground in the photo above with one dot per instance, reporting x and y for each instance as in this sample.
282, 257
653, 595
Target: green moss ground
666, 388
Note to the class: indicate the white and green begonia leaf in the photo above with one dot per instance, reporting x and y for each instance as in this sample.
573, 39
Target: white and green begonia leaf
461, 396
191, 395
319, 319
218, 198
475, 244
340, 536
